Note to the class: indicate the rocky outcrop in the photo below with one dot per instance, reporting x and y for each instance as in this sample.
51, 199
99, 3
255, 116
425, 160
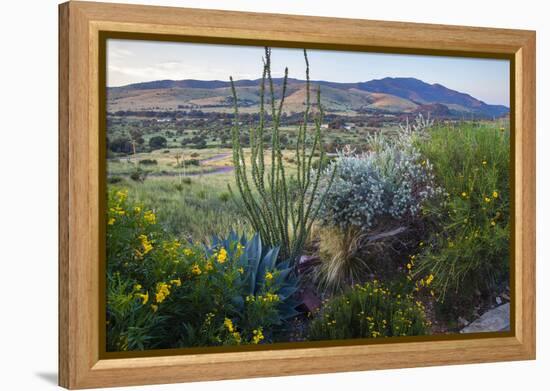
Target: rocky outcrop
496, 319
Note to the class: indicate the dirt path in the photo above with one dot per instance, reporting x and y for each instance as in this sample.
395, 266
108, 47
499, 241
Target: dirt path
207, 170
215, 158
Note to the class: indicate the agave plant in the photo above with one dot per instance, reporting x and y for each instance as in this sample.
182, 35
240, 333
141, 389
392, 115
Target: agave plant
257, 261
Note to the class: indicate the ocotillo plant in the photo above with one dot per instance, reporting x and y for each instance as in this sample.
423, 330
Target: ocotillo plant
281, 216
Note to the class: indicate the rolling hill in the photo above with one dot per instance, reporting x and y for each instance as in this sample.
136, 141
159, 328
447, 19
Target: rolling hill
391, 95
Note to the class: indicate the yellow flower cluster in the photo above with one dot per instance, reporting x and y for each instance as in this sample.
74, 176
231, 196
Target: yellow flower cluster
229, 325
163, 290
176, 282
171, 247
268, 276
187, 252
150, 217
145, 243
143, 296
122, 195
196, 269
221, 255
258, 336
267, 298
118, 210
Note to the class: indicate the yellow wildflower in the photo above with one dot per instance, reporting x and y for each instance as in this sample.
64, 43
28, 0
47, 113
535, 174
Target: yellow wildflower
111, 221
150, 217
240, 248
188, 252
228, 325
196, 270
154, 307
222, 255
268, 276
495, 194
464, 194
209, 266
429, 279
122, 195
271, 297
163, 290
241, 270
258, 336
147, 246
137, 287
493, 223
487, 199
484, 162
237, 336
143, 296
176, 282
409, 266
137, 209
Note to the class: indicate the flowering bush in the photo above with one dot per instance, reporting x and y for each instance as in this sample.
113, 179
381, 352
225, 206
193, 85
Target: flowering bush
162, 293
468, 250
391, 180
369, 311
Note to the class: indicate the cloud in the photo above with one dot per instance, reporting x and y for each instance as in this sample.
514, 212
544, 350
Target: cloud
118, 74
119, 53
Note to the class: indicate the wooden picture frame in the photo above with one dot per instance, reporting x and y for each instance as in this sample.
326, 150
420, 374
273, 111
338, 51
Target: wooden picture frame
81, 24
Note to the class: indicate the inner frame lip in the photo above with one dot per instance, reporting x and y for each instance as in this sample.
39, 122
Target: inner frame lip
105, 35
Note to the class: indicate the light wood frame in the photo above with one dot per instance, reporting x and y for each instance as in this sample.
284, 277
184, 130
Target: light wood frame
80, 23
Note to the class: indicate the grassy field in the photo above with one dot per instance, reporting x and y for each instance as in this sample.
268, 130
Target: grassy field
192, 201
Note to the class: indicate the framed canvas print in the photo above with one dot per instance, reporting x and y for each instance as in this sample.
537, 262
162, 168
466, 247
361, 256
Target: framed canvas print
248, 195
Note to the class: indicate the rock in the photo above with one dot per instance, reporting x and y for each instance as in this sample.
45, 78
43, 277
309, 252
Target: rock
462, 321
497, 319
310, 300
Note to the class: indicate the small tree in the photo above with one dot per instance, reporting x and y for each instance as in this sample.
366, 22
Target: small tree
281, 215
157, 142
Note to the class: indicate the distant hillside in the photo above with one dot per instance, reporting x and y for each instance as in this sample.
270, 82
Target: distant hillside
392, 95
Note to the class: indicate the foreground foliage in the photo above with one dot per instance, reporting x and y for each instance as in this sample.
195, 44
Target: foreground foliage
468, 249
369, 311
162, 293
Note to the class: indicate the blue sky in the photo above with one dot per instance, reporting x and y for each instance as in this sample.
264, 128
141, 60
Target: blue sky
132, 61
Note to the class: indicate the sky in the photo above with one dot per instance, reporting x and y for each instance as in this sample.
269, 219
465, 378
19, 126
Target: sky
133, 61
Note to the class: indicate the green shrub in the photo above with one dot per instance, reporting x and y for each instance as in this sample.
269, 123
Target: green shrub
192, 162
114, 179
163, 293
468, 251
138, 175
224, 197
389, 182
148, 162
157, 142
369, 311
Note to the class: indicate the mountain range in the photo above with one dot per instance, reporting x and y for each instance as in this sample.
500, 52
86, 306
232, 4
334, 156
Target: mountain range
390, 95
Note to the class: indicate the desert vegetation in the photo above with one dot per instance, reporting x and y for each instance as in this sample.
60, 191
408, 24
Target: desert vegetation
243, 226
